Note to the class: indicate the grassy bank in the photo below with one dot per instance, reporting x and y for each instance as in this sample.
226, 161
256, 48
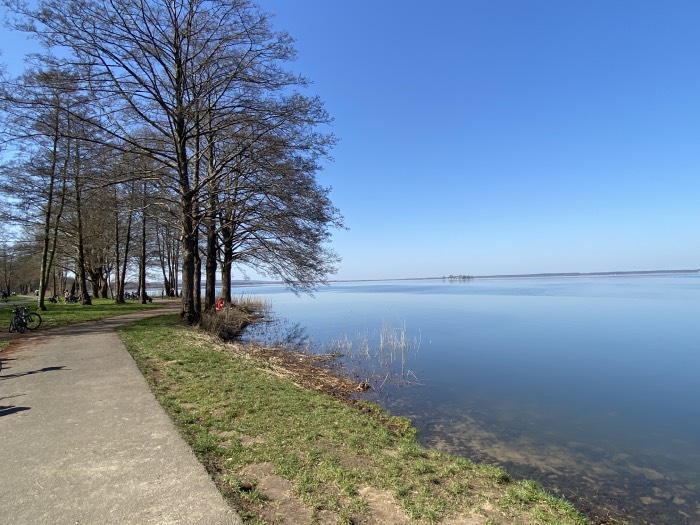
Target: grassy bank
282, 453
62, 314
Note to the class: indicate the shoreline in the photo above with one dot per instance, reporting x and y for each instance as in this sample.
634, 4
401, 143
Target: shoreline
263, 426
543, 275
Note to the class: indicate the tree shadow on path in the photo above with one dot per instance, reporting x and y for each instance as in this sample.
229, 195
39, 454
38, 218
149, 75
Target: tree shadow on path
11, 409
6, 410
30, 372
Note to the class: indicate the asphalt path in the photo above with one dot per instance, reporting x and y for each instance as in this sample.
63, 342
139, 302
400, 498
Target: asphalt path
84, 441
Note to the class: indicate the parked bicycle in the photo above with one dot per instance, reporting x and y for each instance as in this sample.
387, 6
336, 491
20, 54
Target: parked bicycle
22, 319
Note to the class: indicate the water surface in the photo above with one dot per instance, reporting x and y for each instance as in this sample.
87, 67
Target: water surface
587, 384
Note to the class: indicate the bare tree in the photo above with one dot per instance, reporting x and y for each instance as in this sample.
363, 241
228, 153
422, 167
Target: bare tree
277, 220
274, 152
81, 272
8, 268
121, 249
184, 81
168, 251
39, 106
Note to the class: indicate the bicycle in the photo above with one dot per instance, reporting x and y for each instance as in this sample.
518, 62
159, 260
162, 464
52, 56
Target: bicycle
22, 319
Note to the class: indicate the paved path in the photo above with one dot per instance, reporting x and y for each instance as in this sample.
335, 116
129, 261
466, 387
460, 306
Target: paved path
84, 441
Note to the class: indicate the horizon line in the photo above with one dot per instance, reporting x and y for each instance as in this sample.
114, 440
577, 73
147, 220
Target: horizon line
522, 275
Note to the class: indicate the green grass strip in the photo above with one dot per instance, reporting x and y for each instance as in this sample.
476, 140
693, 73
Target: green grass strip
237, 413
62, 314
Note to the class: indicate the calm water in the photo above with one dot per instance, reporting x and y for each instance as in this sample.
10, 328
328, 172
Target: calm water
587, 384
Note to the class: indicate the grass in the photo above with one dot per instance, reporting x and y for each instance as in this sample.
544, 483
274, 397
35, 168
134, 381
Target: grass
252, 428
62, 314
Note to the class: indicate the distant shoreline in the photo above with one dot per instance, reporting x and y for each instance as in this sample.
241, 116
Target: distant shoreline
494, 276
588, 274
526, 276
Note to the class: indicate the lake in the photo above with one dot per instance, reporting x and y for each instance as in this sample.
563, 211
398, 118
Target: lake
587, 384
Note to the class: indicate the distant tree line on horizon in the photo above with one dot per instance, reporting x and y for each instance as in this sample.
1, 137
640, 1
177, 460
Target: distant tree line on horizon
457, 277
166, 138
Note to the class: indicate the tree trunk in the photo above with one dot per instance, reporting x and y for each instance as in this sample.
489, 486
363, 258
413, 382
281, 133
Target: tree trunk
48, 248
119, 299
142, 265
162, 254
104, 284
189, 310
227, 264
211, 249
95, 279
198, 282
82, 278
122, 282
210, 283
189, 246
119, 261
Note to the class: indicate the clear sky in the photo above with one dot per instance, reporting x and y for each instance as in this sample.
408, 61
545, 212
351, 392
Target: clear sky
506, 136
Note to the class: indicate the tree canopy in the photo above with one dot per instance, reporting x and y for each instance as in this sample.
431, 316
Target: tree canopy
181, 117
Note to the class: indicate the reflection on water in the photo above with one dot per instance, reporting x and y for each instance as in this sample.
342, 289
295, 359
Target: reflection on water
588, 385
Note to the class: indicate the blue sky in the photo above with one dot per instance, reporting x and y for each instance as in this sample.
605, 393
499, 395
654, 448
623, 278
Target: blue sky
505, 136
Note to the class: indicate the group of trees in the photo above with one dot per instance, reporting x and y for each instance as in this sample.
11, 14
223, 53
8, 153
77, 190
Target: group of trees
169, 134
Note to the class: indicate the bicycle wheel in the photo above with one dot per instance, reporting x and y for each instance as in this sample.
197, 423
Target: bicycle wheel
33, 320
19, 325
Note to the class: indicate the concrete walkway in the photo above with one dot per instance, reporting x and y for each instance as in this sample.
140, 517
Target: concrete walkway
84, 441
